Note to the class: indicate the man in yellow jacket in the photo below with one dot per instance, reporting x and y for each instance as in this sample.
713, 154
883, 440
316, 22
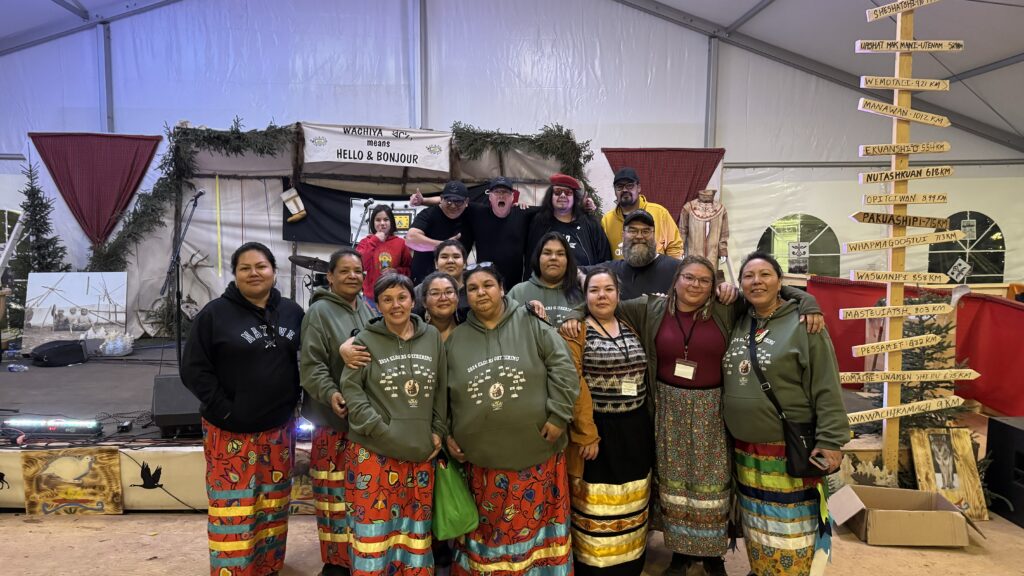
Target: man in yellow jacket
627, 193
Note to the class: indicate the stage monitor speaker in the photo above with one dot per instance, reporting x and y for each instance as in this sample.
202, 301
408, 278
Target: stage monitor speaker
175, 409
1005, 476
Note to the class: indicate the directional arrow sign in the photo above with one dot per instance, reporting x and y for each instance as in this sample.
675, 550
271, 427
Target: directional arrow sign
895, 8
903, 241
902, 112
893, 83
897, 220
887, 276
863, 46
894, 311
894, 345
905, 409
909, 174
915, 148
904, 376
889, 199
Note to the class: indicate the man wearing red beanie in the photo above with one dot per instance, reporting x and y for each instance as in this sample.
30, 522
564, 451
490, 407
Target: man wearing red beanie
562, 210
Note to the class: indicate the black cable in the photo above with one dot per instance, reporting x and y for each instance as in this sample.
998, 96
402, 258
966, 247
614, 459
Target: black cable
166, 491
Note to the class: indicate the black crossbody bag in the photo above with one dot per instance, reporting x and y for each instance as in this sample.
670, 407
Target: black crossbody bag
799, 436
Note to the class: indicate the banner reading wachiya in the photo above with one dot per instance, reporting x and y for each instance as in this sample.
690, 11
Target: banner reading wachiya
405, 147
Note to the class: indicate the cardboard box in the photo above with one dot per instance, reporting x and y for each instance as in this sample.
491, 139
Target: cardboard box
897, 517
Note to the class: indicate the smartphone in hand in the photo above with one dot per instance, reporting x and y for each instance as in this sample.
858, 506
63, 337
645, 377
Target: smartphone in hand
819, 461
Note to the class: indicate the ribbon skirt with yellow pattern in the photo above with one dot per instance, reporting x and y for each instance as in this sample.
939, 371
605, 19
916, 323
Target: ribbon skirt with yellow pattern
327, 471
390, 511
524, 522
786, 527
248, 481
610, 502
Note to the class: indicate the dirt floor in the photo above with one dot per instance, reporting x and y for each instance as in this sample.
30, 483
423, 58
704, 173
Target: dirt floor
143, 544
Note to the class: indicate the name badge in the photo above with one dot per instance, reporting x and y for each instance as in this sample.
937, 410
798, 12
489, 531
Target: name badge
685, 369
630, 385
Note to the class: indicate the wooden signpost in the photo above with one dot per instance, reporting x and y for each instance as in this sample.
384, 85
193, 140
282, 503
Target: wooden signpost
891, 199
889, 149
892, 219
903, 241
903, 85
896, 175
894, 345
890, 276
907, 376
902, 112
891, 83
905, 409
880, 46
894, 311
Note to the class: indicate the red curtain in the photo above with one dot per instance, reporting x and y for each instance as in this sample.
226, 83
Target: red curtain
668, 176
988, 339
97, 174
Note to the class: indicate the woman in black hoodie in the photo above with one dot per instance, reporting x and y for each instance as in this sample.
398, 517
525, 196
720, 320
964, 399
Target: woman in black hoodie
241, 361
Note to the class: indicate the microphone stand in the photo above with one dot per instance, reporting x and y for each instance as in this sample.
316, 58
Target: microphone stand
174, 268
362, 219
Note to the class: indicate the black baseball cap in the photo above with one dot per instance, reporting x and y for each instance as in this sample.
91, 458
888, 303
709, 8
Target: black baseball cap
626, 174
455, 189
500, 182
641, 215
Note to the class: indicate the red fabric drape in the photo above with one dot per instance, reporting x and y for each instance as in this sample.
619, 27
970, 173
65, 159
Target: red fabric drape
988, 339
97, 174
669, 176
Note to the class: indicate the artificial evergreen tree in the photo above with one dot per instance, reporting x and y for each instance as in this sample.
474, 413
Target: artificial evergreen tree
39, 249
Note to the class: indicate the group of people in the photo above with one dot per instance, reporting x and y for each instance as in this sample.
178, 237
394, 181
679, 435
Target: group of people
586, 412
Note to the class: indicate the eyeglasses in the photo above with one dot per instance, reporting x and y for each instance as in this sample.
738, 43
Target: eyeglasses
691, 279
624, 187
641, 232
476, 265
499, 192
454, 202
449, 294
561, 192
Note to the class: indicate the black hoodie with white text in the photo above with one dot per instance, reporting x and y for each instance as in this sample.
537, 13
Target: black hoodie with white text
242, 362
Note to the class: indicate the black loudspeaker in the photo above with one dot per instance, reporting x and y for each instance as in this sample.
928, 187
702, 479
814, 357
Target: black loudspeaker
175, 409
1005, 476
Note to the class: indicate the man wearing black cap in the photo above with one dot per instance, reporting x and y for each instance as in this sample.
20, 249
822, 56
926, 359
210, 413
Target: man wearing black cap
629, 199
642, 270
436, 224
500, 230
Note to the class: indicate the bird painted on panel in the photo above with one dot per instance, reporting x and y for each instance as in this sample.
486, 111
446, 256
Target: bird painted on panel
150, 479
69, 468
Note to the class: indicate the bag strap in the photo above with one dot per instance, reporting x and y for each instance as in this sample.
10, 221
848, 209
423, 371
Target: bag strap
766, 386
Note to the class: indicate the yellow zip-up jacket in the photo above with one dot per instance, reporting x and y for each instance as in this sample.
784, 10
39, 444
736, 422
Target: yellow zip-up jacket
666, 232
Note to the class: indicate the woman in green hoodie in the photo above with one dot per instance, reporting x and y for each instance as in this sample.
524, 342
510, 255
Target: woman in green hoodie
785, 519
555, 282
334, 314
512, 389
397, 412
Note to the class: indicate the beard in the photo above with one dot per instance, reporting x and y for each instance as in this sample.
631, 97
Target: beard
639, 254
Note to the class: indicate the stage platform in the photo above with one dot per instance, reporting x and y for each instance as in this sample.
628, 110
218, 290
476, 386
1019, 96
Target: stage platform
113, 391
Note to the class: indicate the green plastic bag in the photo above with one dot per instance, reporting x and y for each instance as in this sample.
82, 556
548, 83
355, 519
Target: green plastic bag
454, 508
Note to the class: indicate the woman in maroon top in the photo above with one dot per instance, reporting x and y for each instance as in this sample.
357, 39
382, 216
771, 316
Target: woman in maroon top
382, 250
685, 336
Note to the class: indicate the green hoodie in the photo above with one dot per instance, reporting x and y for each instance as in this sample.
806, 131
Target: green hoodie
329, 321
803, 372
505, 384
553, 299
399, 398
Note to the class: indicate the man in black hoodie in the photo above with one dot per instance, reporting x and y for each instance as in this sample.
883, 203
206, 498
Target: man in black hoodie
241, 361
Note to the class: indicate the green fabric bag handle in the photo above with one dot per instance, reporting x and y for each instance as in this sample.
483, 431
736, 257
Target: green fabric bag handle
455, 511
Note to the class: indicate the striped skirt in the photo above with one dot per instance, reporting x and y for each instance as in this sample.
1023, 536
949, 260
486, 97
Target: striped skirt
783, 525
694, 476
390, 511
524, 522
327, 471
249, 483
610, 502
